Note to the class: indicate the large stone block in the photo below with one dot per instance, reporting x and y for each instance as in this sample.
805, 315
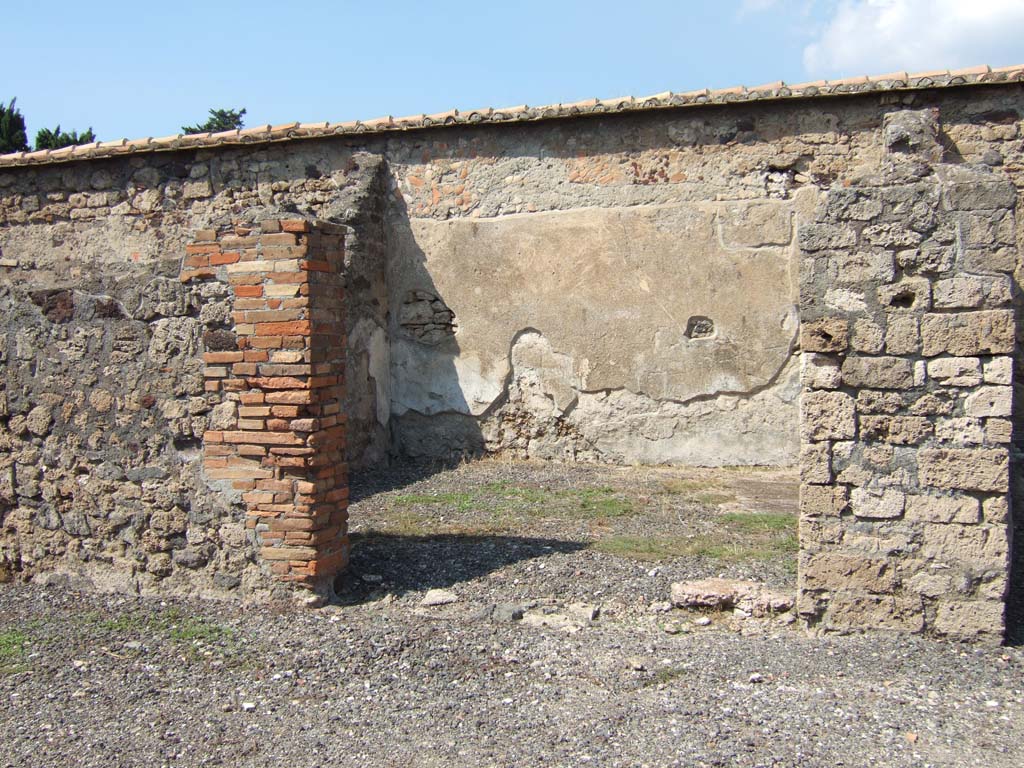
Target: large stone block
975, 195
834, 571
822, 500
912, 294
857, 610
877, 503
878, 372
970, 291
899, 430
825, 236
982, 547
988, 332
819, 371
827, 416
970, 619
989, 401
826, 334
956, 371
868, 336
902, 335
942, 509
856, 267
816, 463
969, 469
961, 430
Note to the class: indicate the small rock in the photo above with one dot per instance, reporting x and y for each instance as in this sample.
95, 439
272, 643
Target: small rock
132, 645
507, 612
674, 628
311, 600
739, 613
636, 664
226, 580
660, 607
702, 621
439, 597
786, 619
757, 677
248, 706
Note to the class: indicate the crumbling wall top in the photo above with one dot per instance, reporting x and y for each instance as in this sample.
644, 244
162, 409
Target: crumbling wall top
266, 134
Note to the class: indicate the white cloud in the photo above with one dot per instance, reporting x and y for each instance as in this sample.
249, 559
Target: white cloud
877, 36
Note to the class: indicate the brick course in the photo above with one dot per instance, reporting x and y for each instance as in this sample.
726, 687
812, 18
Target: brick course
288, 460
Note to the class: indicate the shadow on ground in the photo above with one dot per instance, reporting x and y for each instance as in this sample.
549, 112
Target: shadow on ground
400, 563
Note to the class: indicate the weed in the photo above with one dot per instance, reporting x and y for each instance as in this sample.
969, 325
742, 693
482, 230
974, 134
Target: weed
12, 648
759, 522
197, 635
12, 644
599, 502
743, 537
501, 506
461, 501
665, 675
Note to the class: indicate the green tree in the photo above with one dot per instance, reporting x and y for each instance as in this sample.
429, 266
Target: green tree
55, 139
12, 129
220, 120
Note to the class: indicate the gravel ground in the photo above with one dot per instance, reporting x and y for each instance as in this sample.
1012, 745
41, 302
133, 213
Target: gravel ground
595, 672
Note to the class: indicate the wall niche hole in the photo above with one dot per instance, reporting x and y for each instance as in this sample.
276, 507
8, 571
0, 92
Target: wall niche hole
903, 300
700, 327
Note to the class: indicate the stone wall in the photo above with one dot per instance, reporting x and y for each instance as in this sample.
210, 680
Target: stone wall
102, 411
908, 336
622, 288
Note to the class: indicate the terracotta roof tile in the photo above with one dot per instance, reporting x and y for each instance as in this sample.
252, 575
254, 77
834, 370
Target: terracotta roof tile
981, 75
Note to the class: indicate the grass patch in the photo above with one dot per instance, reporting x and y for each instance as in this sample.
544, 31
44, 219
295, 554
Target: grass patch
742, 537
12, 649
194, 634
642, 547
760, 522
597, 503
460, 501
500, 507
12, 644
665, 675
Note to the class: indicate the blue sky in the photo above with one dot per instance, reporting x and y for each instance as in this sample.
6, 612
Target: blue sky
131, 69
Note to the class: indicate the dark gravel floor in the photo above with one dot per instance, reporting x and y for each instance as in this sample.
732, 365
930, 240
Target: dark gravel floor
381, 680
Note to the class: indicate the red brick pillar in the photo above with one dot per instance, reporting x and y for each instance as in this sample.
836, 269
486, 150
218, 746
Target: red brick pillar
283, 442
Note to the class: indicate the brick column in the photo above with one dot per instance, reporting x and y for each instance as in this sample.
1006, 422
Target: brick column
279, 436
907, 341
